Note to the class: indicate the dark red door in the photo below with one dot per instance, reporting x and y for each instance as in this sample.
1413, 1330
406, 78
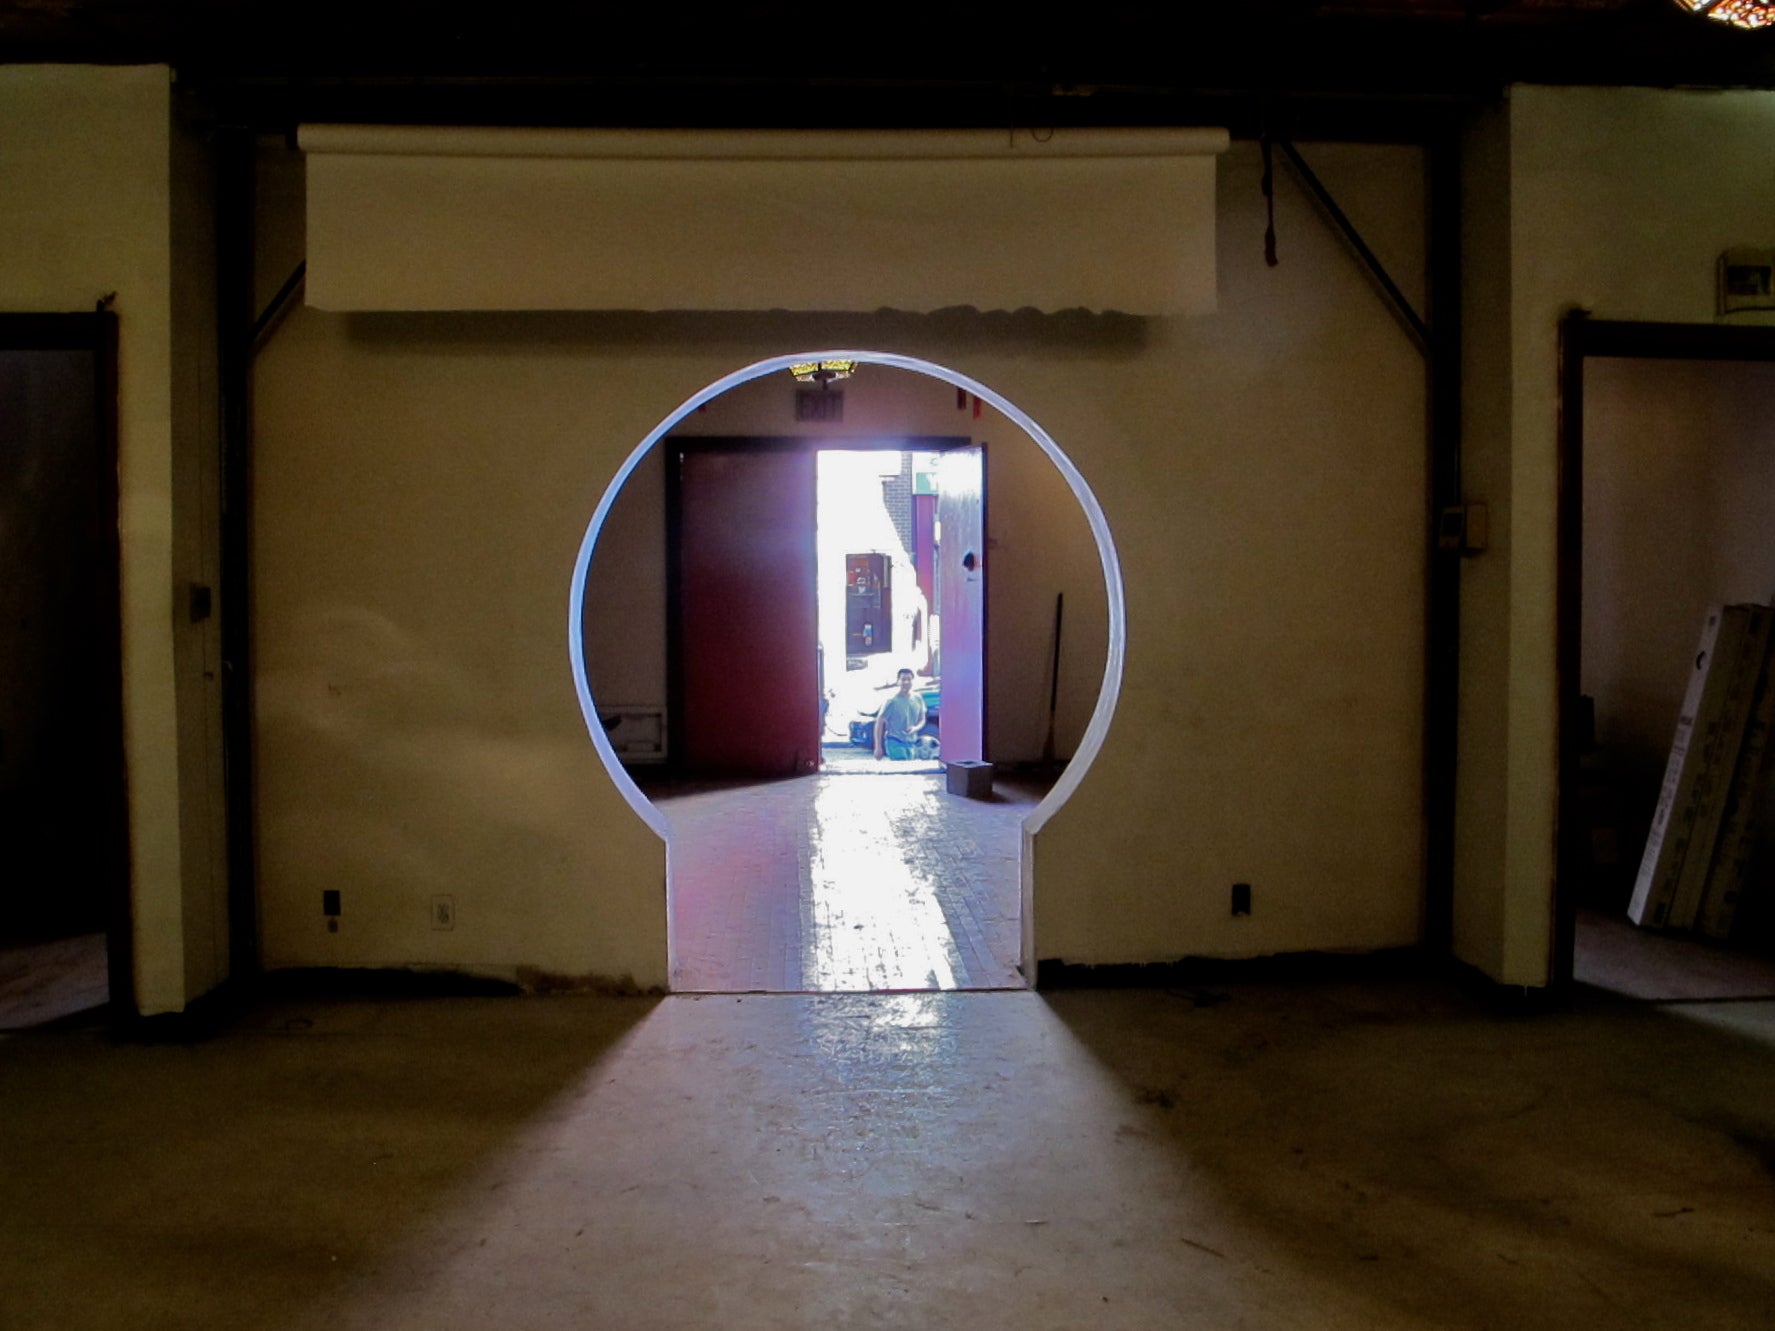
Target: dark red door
961, 601
749, 692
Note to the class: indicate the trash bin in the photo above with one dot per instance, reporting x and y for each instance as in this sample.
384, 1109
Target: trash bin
969, 778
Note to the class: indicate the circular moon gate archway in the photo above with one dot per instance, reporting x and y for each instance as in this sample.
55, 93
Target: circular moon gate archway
1095, 731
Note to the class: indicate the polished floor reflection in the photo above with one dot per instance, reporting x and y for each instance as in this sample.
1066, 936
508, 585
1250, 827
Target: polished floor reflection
852, 882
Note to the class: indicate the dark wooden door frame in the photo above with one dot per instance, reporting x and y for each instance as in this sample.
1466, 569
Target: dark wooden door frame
1580, 338
97, 333
674, 445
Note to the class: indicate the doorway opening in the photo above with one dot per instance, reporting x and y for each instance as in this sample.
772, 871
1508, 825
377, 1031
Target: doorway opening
902, 606
65, 930
873, 862
880, 631
1668, 472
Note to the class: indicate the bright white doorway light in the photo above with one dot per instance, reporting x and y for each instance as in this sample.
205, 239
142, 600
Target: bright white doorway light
851, 519
874, 617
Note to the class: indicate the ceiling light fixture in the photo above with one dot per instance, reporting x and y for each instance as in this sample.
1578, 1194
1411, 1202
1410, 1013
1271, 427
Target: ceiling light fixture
1739, 13
822, 372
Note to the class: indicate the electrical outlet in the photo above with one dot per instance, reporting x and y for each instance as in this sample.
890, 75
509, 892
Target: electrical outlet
329, 901
443, 912
1241, 898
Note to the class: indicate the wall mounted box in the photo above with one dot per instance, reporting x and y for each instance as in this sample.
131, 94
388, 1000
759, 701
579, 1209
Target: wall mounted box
637, 731
972, 779
1744, 279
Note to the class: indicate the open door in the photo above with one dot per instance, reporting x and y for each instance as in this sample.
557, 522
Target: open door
63, 817
961, 600
745, 636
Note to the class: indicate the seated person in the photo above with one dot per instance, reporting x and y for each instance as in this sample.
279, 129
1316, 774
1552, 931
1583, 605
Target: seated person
898, 722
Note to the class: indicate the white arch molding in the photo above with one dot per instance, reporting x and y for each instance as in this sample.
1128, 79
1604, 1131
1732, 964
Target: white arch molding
1107, 696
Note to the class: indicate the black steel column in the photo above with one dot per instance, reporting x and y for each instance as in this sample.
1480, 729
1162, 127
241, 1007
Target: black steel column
1443, 590
1570, 852
234, 152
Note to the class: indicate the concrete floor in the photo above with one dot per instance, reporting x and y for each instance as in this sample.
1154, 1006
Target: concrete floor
870, 878
1341, 1156
58, 979
1612, 954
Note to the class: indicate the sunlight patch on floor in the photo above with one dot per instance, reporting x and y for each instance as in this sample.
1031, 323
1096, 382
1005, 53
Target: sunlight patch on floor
876, 922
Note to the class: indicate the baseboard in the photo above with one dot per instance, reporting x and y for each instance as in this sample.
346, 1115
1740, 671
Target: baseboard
1508, 1000
380, 982
197, 1020
1277, 968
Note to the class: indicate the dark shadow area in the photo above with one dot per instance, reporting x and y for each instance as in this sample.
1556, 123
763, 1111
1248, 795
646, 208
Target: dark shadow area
242, 1179
62, 818
1409, 1156
1109, 335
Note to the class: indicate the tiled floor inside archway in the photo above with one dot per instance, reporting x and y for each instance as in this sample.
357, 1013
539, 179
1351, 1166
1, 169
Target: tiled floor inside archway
852, 881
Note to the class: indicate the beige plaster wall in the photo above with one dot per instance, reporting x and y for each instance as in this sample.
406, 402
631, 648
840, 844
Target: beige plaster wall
625, 601
424, 482
1620, 200
1038, 541
1263, 473
85, 205
1040, 546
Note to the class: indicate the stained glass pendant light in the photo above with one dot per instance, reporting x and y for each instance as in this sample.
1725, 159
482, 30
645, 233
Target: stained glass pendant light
1739, 13
822, 372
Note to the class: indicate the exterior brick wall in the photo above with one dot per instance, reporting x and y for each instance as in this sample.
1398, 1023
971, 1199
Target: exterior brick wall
896, 497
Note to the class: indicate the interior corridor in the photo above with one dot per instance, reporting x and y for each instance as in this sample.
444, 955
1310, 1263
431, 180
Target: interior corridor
849, 881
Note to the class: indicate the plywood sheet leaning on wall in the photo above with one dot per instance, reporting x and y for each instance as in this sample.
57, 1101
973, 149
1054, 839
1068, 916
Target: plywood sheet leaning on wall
1709, 733
1738, 831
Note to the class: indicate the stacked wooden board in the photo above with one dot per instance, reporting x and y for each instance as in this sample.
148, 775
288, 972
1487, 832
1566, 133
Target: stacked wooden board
1693, 872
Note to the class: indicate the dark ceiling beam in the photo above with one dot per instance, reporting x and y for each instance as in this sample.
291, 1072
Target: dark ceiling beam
1361, 66
277, 106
